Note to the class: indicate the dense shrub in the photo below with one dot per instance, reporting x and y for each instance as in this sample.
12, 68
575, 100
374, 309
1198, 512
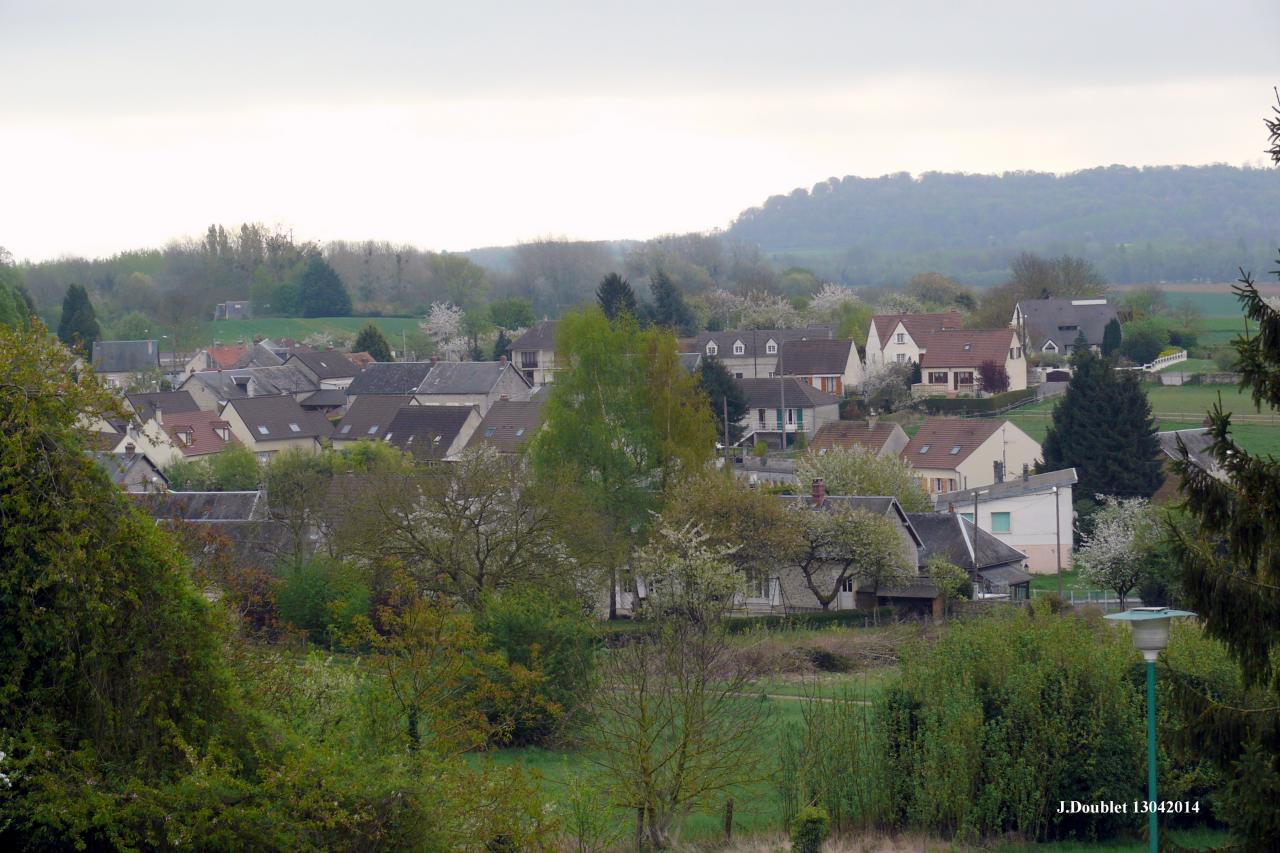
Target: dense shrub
974, 405
323, 596
809, 829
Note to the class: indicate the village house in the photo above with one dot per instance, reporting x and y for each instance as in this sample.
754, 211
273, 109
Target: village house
1032, 513
268, 425
330, 369
388, 378
949, 454
432, 432
132, 471
951, 360
898, 338
116, 362
233, 309
534, 353
329, 402
750, 353
829, 365
785, 405
216, 357
1198, 443
472, 383
883, 438
368, 418
508, 426
212, 388
1052, 325
995, 568
145, 404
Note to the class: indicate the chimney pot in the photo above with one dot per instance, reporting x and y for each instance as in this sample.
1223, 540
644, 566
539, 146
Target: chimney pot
999, 470
435, 359
159, 416
502, 359
129, 450
818, 491
1026, 472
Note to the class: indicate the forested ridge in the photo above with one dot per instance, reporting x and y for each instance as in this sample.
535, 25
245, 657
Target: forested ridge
1137, 225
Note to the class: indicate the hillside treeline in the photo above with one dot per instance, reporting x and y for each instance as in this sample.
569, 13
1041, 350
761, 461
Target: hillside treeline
1136, 225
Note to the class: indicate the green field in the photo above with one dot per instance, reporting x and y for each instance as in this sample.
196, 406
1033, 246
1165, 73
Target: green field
298, 328
1181, 407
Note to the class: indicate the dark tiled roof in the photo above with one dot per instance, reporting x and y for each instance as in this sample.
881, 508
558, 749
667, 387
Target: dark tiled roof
815, 358
876, 504
946, 442
259, 355
845, 434
201, 430
767, 393
952, 536
427, 431
369, 416
391, 377
258, 381
275, 419
325, 398
1013, 486
146, 403
125, 356
326, 365
466, 377
1045, 320
691, 361
119, 466
541, 336
915, 324
508, 425
206, 506
755, 342
966, 347
1197, 441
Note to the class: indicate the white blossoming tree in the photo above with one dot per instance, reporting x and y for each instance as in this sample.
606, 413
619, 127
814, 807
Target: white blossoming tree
723, 307
830, 298
899, 303
1116, 555
767, 311
444, 326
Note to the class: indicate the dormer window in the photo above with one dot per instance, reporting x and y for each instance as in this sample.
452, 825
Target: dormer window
263, 430
739, 348
771, 348
712, 349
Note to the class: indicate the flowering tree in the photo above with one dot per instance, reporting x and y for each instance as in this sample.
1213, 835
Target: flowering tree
858, 471
444, 326
900, 303
723, 307
1116, 555
762, 310
830, 298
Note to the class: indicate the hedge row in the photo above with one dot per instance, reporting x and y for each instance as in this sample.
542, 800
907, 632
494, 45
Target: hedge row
623, 628
976, 405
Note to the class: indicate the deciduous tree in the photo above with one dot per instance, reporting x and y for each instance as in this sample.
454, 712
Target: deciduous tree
1116, 553
858, 471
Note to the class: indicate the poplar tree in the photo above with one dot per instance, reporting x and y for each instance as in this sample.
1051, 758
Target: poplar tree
1103, 428
1111, 337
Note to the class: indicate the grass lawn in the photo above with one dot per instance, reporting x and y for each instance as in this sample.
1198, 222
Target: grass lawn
1192, 365
230, 331
1193, 839
1049, 583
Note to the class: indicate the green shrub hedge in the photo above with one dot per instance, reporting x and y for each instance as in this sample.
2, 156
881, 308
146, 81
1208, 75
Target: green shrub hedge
620, 630
976, 405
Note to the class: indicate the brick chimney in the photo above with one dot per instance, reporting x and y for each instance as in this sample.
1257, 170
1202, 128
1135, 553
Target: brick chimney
129, 450
502, 359
1026, 472
818, 491
999, 470
435, 359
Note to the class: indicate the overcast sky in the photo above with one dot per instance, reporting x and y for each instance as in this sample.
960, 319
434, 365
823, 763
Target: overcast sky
453, 126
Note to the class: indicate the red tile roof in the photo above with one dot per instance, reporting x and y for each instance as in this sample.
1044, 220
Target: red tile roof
225, 358
946, 442
195, 432
361, 359
965, 347
846, 434
916, 324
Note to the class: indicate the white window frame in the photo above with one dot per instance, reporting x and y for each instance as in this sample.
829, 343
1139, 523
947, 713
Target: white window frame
771, 347
712, 349
739, 348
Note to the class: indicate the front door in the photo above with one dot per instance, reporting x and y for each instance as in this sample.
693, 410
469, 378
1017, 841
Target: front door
845, 597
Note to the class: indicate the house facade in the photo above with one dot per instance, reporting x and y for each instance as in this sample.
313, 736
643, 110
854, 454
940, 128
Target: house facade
951, 454
534, 353
751, 353
951, 360
268, 425
785, 406
1053, 325
432, 432
330, 369
115, 362
1029, 512
472, 383
830, 365
883, 438
897, 338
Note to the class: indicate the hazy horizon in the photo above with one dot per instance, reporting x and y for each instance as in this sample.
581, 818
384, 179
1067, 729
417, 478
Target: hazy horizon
463, 128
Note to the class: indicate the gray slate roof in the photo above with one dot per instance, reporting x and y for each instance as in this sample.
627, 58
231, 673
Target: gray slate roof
877, 504
466, 377
260, 355
326, 365
325, 398
146, 403
369, 416
508, 425
206, 506
767, 394
1045, 319
815, 357
275, 418
953, 536
390, 377
755, 342
1013, 487
1197, 442
256, 381
119, 466
541, 336
427, 431
125, 356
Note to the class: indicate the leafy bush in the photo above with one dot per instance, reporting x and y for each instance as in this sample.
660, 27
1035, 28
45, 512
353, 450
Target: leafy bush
323, 596
809, 829
971, 405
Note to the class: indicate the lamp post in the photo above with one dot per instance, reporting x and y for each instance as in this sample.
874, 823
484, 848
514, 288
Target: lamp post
1150, 636
1057, 538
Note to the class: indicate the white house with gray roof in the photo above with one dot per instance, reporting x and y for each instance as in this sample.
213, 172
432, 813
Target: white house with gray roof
116, 361
1052, 325
751, 353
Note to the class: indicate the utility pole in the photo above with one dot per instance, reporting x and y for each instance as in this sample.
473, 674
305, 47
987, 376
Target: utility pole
1057, 538
725, 401
782, 393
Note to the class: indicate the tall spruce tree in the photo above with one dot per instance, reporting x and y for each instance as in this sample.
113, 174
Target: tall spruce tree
1111, 338
669, 308
721, 390
78, 327
320, 292
502, 345
1103, 428
372, 341
616, 296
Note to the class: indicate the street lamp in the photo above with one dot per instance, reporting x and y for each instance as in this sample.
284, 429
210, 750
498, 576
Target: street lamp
1150, 636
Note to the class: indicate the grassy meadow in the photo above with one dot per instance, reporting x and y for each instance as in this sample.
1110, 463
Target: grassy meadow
298, 328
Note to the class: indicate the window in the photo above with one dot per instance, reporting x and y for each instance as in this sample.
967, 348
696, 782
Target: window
528, 359
901, 337
901, 358
1000, 522
955, 450
1050, 346
295, 428
771, 348
791, 416
924, 448
712, 349
346, 428
967, 516
738, 348
737, 376
489, 432
1011, 353
760, 416
846, 585
937, 377
373, 430
964, 377
263, 430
